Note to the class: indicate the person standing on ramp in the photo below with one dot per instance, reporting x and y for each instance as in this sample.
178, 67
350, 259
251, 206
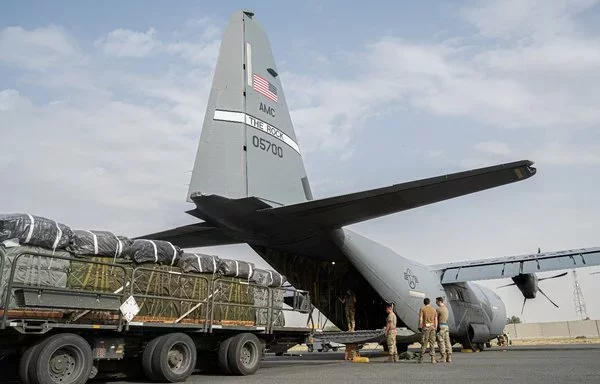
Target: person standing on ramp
350, 301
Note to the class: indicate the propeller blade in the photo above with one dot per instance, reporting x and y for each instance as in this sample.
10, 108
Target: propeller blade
546, 296
507, 285
553, 277
524, 300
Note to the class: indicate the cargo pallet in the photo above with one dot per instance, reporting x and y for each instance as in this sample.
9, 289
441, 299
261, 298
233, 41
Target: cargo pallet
66, 335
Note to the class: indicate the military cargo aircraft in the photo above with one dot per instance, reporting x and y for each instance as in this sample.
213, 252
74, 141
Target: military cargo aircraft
249, 185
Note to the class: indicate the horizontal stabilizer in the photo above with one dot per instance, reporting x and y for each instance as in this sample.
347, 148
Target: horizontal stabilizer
193, 235
504, 267
352, 208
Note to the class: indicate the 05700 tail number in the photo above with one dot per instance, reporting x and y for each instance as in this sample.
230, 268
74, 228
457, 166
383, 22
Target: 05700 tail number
267, 146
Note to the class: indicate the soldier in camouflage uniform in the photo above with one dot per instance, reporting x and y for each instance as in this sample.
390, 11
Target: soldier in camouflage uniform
390, 333
427, 326
443, 330
350, 301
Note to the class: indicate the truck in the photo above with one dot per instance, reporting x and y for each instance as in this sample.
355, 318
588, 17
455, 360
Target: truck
65, 321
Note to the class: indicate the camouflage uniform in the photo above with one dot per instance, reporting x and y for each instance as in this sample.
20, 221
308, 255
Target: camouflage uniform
350, 302
428, 332
391, 336
444, 334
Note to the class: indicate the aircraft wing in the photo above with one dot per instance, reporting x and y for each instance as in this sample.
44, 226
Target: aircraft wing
352, 208
193, 235
504, 267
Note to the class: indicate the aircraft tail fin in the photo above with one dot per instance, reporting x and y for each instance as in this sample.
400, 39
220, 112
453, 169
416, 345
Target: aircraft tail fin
248, 147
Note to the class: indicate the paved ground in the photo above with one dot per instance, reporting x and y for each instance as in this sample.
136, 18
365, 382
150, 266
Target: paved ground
548, 364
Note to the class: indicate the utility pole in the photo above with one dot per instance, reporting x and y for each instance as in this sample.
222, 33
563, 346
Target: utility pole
578, 299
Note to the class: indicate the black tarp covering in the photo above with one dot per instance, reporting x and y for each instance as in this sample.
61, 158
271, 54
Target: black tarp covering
197, 262
99, 243
155, 251
235, 268
268, 278
35, 231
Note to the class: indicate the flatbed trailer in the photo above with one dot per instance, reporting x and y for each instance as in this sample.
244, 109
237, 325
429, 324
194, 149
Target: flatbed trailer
62, 334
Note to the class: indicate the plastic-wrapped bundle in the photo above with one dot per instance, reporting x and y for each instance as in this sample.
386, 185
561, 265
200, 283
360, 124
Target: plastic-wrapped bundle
34, 230
155, 251
99, 243
268, 278
197, 262
235, 268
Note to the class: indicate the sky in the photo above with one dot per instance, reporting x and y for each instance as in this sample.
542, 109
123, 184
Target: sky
102, 103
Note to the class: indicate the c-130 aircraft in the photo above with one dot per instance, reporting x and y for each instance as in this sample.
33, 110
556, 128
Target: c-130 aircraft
249, 185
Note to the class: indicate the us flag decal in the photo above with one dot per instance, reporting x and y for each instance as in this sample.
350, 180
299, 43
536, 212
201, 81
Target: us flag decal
262, 86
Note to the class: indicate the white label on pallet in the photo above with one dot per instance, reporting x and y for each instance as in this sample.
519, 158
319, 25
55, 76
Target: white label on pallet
129, 309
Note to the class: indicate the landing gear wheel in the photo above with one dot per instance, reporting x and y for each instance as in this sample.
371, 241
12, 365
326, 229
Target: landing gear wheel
223, 362
400, 348
28, 358
62, 359
326, 348
174, 358
147, 358
480, 346
244, 354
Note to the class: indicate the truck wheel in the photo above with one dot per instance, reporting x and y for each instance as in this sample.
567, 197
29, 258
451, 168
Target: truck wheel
64, 358
310, 348
334, 349
326, 348
174, 358
244, 354
147, 366
27, 359
223, 361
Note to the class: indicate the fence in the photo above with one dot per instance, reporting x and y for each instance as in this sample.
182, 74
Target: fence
554, 330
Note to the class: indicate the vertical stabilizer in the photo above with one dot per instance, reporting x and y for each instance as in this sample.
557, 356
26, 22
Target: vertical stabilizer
248, 146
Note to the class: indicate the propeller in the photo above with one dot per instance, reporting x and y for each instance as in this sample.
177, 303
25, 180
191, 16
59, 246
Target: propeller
553, 277
546, 296
507, 285
528, 285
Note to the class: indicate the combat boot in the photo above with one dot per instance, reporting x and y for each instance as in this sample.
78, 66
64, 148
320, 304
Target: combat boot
394, 358
449, 358
433, 361
443, 357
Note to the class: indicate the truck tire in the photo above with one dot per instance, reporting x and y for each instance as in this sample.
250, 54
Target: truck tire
64, 358
310, 348
222, 359
325, 347
27, 359
147, 366
174, 358
244, 354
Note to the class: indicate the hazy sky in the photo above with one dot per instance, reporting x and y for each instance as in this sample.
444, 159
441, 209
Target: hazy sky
101, 107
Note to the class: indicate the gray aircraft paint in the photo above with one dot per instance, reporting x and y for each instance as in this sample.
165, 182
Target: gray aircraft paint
248, 146
246, 194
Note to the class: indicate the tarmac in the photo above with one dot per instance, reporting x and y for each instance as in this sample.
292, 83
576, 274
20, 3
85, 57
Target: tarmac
516, 364
531, 364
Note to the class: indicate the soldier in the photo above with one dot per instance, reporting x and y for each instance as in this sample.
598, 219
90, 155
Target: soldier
350, 301
427, 327
443, 330
390, 333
